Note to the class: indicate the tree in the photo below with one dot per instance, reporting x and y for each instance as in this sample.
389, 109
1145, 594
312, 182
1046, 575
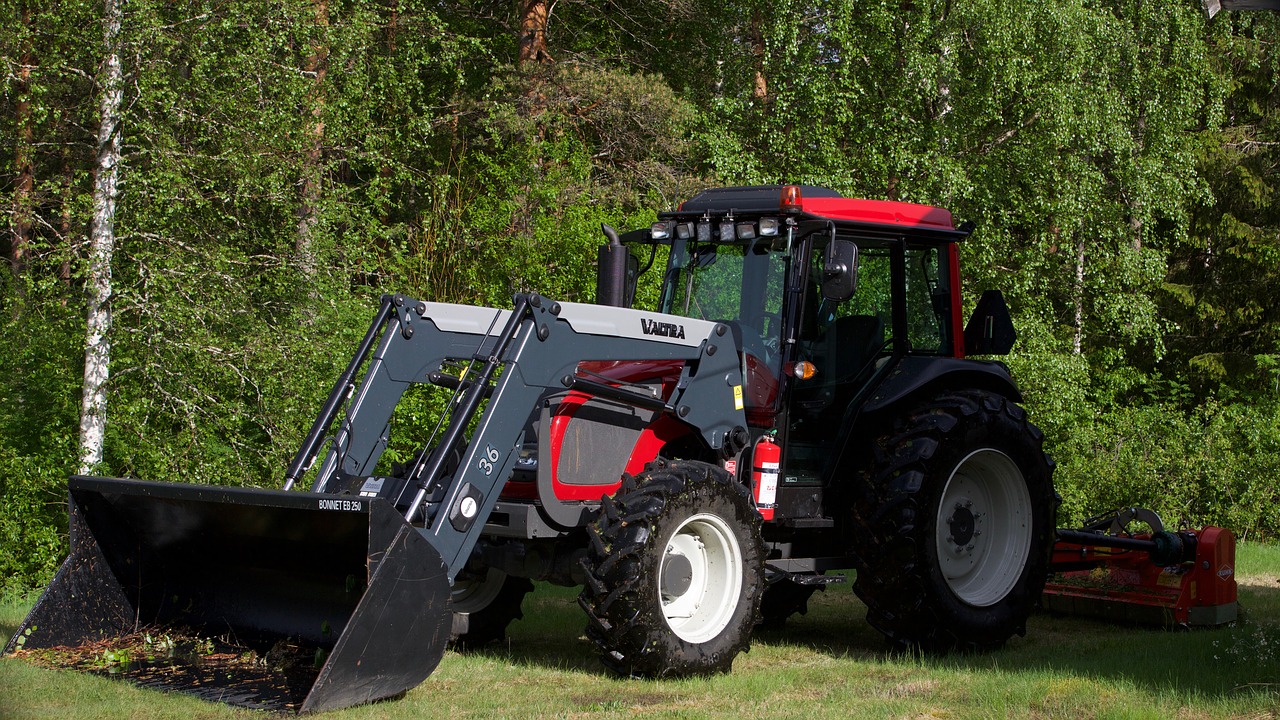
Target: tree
97, 350
24, 188
1220, 287
534, 15
315, 68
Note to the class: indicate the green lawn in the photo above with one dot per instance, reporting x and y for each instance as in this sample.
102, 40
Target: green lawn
826, 664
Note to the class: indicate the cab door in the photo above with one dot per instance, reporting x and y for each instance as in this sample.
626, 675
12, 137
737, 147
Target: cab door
844, 341
894, 311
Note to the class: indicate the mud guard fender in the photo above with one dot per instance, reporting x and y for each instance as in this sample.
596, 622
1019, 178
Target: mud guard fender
915, 376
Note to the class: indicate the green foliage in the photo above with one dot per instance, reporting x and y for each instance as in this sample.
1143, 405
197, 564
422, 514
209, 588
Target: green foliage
1215, 465
560, 151
1118, 157
1220, 291
33, 526
39, 419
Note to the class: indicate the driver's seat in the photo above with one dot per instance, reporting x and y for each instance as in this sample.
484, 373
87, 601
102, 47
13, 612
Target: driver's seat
849, 345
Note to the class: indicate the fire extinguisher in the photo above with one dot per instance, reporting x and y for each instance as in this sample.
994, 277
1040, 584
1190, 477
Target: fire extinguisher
765, 461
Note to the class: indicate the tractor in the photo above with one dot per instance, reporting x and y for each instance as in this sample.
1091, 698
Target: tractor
800, 400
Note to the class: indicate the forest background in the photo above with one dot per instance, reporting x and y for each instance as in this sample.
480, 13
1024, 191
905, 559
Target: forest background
233, 183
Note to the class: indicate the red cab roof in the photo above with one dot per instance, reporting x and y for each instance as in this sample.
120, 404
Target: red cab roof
819, 202
881, 212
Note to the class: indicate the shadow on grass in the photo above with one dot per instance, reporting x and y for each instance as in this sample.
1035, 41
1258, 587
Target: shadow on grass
550, 635
1223, 662
1210, 663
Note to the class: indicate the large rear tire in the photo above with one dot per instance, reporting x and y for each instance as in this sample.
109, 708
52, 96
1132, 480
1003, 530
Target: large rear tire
953, 520
675, 571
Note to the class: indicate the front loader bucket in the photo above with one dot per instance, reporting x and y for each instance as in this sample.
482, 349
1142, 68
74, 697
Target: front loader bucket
342, 581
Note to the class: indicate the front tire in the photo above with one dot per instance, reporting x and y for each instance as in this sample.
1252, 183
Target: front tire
953, 521
675, 571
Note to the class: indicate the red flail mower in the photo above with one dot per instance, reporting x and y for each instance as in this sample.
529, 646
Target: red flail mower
1157, 577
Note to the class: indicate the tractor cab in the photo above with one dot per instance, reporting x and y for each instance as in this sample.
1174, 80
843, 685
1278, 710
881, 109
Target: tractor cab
739, 281
818, 290
824, 296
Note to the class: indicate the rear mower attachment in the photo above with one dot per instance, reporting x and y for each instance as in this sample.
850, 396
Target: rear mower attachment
1179, 579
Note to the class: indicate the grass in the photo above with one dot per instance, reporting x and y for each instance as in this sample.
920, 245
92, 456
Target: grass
828, 663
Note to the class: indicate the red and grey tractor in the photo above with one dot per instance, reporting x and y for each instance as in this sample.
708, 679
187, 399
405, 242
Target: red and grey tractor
801, 400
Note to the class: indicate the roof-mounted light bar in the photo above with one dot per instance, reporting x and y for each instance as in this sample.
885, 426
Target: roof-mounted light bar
726, 229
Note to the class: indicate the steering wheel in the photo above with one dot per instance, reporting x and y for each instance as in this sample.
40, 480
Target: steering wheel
771, 341
749, 341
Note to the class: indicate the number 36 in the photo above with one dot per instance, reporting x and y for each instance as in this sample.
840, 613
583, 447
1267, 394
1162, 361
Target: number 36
486, 462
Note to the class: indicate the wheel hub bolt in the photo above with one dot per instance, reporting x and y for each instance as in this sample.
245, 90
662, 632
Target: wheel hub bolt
961, 525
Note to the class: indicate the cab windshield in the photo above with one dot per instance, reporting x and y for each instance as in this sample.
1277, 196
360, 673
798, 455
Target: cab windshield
737, 284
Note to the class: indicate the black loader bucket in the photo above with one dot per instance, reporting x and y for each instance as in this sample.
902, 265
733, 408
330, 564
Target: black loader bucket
295, 601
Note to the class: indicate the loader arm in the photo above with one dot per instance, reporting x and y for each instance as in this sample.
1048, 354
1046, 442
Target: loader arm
514, 359
359, 581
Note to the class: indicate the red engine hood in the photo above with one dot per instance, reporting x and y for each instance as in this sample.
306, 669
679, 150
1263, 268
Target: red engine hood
634, 371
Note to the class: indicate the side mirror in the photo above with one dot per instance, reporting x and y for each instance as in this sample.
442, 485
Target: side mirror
990, 330
839, 269
616, 273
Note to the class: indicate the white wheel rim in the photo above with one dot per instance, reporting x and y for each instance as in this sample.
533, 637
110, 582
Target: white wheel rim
983, 528
470, 596
700, 603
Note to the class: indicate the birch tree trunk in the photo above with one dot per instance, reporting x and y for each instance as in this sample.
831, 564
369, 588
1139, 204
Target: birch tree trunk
1077, 291
24, 188
97, 347
317, 66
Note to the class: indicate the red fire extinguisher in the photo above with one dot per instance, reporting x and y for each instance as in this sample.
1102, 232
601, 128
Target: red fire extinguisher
765, 461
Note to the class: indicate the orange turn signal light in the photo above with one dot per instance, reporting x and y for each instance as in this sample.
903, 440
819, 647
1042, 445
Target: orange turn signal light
802, 370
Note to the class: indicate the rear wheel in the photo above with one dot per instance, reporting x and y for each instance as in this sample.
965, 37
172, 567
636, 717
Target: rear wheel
675, 572
954, 524
485, 605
